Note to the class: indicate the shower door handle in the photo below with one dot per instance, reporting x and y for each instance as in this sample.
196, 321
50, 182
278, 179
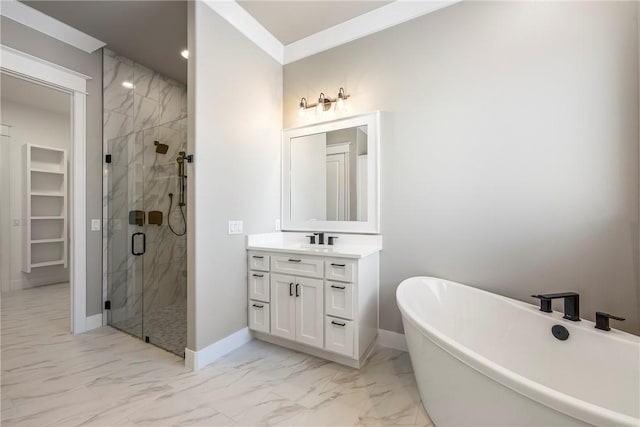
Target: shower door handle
133, 244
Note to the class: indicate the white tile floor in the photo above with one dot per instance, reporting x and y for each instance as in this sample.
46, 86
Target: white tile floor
105, 377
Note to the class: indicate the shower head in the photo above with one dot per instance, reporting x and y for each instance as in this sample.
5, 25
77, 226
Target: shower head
161, 148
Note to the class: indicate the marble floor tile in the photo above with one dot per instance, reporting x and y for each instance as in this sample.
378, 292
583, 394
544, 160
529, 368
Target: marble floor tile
108, 378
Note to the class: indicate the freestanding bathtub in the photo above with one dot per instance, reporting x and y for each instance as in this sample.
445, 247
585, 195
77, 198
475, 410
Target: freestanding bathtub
482, 359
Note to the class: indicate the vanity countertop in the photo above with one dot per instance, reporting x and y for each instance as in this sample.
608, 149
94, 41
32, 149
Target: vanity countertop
348, 245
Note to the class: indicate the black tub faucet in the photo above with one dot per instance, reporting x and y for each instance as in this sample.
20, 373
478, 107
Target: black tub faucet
571, 304
320, 238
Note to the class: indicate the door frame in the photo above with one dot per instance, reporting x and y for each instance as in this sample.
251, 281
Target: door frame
31, 68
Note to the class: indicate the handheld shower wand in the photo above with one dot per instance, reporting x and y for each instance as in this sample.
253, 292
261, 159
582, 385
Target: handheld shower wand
181, 203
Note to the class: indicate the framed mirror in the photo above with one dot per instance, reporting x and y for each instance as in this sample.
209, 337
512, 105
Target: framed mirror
330, 176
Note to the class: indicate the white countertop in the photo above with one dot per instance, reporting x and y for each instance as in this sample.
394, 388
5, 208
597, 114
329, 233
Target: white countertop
346, 246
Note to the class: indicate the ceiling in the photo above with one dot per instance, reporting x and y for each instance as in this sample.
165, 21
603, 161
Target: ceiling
150, 32
153, 32
20, 91
290, 21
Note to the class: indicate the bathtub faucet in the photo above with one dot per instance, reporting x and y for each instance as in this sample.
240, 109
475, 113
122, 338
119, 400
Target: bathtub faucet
571, 304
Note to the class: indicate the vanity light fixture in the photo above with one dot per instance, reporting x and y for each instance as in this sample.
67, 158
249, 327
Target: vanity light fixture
324, 103
303, 107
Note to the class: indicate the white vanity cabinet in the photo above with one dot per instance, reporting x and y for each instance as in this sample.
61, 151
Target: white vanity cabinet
325, 305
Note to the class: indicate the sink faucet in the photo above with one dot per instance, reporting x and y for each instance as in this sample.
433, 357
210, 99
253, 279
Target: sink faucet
571, 304
320, 238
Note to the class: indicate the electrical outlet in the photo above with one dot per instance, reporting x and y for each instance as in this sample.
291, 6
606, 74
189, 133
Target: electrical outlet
278, 224
95, 225
235, 227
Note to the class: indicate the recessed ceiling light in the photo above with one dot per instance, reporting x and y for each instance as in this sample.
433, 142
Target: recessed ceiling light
127, 84
185, 54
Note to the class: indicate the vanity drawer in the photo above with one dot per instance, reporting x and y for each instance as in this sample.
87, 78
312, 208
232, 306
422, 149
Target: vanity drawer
341, 270
339, 299
296, 265
339, 335
259, 316
259, 286
258, 261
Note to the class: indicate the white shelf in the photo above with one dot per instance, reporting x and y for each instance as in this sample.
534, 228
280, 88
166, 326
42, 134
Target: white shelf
48, 263
59, 240
39, 194
35, 170
45, 235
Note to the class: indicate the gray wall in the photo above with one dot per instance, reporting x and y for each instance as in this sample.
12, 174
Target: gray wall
30, 41
236, 90
511, 162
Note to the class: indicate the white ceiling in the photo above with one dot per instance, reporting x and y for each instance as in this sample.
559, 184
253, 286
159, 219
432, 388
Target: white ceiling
34, 95
290, 21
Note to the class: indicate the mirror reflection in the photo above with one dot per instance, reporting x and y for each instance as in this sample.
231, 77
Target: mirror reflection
329, 176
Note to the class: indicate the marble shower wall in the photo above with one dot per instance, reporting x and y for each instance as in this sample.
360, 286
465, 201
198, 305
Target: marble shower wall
149, 108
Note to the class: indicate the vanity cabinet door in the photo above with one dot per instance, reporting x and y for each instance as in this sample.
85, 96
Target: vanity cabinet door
310, 311
283, 306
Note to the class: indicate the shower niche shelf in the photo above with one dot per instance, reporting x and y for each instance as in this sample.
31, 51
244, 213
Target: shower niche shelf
45, 241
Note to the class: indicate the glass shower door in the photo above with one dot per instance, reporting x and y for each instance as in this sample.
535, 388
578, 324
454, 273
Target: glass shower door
126, 234
147, 264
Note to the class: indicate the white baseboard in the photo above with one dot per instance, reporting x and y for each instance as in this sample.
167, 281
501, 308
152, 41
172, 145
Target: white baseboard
93, 322
392, 340
196, 360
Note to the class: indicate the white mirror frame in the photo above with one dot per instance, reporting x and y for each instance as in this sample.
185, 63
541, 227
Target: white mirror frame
372, 225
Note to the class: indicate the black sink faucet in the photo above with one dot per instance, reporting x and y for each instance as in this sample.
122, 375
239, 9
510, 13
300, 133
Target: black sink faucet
320, 238
571, 304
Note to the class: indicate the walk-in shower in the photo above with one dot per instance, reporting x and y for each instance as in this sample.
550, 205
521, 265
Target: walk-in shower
147, 264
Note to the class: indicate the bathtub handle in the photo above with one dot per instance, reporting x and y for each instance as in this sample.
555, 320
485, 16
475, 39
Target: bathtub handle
333, 322
602, 320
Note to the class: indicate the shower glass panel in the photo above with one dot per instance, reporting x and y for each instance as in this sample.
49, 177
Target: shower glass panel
147, 264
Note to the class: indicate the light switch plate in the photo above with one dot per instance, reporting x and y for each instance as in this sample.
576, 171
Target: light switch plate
95, 225
235, 227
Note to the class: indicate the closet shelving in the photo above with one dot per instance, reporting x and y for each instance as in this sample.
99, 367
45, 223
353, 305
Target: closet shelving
45, 205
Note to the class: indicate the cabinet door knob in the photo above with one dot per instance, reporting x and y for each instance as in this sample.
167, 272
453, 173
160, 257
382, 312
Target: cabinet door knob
297, 290
291, 289
333, 322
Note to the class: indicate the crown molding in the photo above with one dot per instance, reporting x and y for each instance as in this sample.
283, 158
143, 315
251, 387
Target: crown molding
242, 20
369, 23
32, 18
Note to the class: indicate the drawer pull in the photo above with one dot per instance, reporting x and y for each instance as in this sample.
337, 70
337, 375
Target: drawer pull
258, 275
333, 322
338, 287
291, 289
258, 306
258, 256
294, 260
337, 265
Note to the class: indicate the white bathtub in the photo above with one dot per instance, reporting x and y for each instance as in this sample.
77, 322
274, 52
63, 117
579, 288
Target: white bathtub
483, 359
